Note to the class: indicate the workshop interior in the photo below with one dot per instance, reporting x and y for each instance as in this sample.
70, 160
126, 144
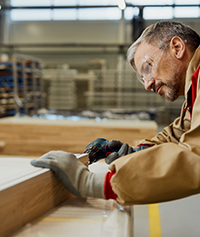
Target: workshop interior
64, 82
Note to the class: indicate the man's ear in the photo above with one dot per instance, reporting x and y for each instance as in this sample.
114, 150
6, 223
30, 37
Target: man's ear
177, 47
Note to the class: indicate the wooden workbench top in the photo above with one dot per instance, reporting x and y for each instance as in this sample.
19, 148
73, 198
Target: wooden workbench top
81, 122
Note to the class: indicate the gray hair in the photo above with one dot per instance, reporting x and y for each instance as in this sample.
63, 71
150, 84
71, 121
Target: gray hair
161, 33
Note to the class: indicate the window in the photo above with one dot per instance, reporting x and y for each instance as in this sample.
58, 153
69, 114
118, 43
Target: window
191, 12
160, 10
63, 14
25, 3
31, 15
100, 14
186, 2
158, 13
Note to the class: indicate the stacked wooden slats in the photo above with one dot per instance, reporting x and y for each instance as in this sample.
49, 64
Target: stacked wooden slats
31, 136
119, 89
62, 90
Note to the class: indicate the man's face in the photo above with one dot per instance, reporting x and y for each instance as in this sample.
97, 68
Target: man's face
159, 71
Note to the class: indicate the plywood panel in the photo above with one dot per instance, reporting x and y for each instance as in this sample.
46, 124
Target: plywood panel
26, 193
85, 217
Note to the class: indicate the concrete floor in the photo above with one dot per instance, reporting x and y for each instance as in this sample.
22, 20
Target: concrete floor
178, 218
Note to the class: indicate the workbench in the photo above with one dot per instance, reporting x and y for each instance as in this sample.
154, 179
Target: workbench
72, 216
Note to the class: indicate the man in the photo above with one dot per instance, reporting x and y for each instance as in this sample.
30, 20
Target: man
166, 58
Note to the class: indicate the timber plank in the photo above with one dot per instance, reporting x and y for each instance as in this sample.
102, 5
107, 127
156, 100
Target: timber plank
27, 192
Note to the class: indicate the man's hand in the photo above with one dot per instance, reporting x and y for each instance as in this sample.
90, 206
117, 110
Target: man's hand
110, 150
75, 176
123, 149
101, 148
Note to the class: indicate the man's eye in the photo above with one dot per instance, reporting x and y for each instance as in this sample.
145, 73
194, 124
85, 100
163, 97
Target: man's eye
142, 80
147, 67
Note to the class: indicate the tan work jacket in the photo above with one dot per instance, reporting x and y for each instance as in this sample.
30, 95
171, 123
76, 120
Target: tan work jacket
170, 169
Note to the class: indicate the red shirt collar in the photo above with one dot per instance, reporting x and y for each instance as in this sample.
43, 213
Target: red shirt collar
192, 92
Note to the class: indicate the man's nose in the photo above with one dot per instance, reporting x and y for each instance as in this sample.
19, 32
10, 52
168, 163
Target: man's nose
148, 84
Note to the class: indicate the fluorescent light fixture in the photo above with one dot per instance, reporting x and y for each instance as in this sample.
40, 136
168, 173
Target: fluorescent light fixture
121, 4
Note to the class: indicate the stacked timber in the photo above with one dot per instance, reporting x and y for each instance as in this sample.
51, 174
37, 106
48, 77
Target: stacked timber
62, 90
34, 136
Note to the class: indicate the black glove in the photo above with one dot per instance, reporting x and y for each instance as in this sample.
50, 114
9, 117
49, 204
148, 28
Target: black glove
123, 149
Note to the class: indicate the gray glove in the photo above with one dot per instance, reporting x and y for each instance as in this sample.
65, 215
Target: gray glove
123, 149
75, 176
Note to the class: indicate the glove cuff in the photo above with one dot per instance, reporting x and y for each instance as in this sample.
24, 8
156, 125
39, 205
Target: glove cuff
92, 185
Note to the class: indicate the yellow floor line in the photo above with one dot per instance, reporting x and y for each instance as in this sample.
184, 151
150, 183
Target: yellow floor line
64, 219
154, 221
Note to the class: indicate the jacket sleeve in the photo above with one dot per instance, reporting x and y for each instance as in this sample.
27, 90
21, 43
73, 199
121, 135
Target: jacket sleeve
157, 174
167, 171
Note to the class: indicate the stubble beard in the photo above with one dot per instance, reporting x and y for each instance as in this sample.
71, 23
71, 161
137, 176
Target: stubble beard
172, 89
173, 85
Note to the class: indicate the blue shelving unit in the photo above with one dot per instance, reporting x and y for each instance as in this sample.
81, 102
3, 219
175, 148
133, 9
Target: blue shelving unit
21, 86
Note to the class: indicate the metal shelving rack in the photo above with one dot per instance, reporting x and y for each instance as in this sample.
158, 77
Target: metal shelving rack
114, 89
118, 89
62, 94
21, 86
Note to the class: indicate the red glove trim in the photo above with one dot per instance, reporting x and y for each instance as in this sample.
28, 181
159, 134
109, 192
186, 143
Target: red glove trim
148, 145
108, 153
108, 192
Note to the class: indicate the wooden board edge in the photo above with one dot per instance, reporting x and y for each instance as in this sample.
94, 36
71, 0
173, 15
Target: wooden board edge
28, 200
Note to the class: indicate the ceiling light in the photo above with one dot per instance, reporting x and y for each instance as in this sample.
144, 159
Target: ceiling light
121, 4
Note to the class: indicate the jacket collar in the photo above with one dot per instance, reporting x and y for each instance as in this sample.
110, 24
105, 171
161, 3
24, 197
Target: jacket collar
193, 65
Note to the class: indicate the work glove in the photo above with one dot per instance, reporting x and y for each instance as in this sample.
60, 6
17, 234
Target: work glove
123, 149
75, 176
101, 148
